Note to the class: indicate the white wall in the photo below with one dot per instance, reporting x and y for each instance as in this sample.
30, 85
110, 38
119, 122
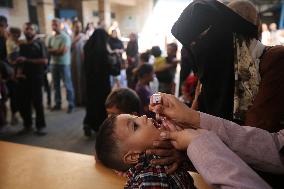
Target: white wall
17, 15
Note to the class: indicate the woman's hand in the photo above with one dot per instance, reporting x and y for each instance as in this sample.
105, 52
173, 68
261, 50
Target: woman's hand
181, 139
168, 155
176, 111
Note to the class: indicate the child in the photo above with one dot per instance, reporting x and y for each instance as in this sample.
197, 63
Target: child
13, 50
159, 61
121, 144
145, 75
123, 100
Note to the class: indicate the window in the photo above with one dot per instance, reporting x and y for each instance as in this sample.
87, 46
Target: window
6, 3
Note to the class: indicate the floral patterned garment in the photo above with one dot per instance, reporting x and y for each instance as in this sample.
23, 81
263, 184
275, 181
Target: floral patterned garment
247, 77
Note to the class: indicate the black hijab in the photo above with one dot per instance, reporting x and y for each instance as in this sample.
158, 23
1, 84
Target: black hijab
213, 53
95, 53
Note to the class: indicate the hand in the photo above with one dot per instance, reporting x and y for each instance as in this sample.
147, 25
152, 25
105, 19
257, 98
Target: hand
168, 155
176, 111
122, 174
181, 139
170, 126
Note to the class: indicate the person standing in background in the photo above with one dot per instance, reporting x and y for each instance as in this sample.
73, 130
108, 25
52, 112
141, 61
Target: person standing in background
59, 48
78, 42
97, 80
117, 47
33, 58
89, 30
13, 49
132, 59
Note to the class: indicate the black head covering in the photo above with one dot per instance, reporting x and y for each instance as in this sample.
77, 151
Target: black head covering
97, 42
213, 54
95, 53
201, 14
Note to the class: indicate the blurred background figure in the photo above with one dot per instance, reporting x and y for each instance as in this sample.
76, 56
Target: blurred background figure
274, 35
77, 49
265, 35
97, 80
114, 26
188, 90
59, 46
89, 30
116, 46
132, 59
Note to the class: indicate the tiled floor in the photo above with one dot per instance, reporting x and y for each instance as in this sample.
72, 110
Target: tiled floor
64, 133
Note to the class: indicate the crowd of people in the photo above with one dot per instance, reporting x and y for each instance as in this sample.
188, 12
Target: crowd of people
238, 82
90, 63
226, 71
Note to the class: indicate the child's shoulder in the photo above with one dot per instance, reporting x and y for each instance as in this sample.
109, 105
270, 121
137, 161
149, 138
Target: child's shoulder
147, 175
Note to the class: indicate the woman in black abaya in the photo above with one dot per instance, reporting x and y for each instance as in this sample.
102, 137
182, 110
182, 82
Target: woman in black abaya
97, 80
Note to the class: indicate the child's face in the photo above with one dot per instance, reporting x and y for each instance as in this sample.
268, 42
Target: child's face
171, 51
150, 77
136, 133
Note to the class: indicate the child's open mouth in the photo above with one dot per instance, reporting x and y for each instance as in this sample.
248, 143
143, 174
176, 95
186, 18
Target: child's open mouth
157, 123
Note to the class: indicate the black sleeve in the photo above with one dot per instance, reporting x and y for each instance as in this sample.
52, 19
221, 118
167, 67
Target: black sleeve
43, 49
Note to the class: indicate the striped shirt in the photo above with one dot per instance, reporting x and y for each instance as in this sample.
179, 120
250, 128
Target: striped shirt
146, 176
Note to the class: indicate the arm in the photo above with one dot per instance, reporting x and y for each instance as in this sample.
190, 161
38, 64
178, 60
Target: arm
261, 147
37, 61
219, 166
63, 48
167, 66
58, 52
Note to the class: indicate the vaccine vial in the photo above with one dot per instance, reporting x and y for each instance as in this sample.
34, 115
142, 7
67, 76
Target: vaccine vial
157, 98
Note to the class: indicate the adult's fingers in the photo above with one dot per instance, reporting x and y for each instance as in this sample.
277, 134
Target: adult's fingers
162, 144
166, 135
163, 161
172, 168
159, 152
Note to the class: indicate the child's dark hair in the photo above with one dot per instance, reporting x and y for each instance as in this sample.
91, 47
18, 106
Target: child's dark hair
15, 31
124, 99
145, 56
144, 69
107, 149
3, 19
156, 51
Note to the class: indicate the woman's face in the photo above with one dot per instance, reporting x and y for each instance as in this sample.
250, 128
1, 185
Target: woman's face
114, 34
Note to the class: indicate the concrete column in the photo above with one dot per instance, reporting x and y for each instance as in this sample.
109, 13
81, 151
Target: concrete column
45, 12
105, 11
88, 9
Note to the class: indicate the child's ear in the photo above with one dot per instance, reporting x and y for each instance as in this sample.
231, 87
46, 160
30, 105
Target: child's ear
131, 157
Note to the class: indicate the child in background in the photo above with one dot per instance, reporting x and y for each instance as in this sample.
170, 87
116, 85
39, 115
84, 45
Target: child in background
188, 90
145, 58
13, 50
123, 100
121, 144
145, 75
159, 61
